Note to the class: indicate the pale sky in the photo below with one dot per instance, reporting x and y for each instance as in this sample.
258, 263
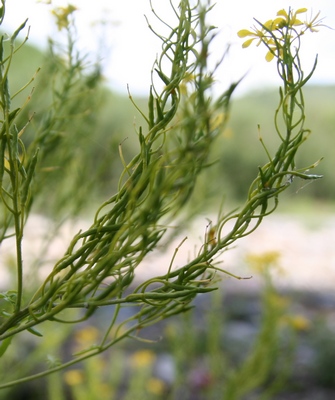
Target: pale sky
131, 47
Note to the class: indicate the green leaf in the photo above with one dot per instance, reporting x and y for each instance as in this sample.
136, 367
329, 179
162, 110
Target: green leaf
2, 11
35, 332
4, 345
18, 30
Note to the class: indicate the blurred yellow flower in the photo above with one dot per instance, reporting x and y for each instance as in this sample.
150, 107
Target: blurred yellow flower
156, 386
218, 120
184, 83
298, 322
62, 15
262, 263
74, 377
87, 335
143, 358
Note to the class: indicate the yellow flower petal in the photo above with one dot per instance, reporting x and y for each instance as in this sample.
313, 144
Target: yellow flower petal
297, 22
283, 13
269, 56
268, 24
278, 21
300, 11
271, 43
244, 32
247, 43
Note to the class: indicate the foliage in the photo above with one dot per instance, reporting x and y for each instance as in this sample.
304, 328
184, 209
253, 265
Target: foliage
181, 125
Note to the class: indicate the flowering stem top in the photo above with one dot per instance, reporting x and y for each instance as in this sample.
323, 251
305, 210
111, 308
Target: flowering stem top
282, 37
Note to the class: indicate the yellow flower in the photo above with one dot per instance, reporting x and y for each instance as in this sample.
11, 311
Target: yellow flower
87, 335
263, 35
262, 263
257, 34
278, 33
156, 386
290, 19
74, 377
62, 15
298, 322
218, 120
189, 78
143, 358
